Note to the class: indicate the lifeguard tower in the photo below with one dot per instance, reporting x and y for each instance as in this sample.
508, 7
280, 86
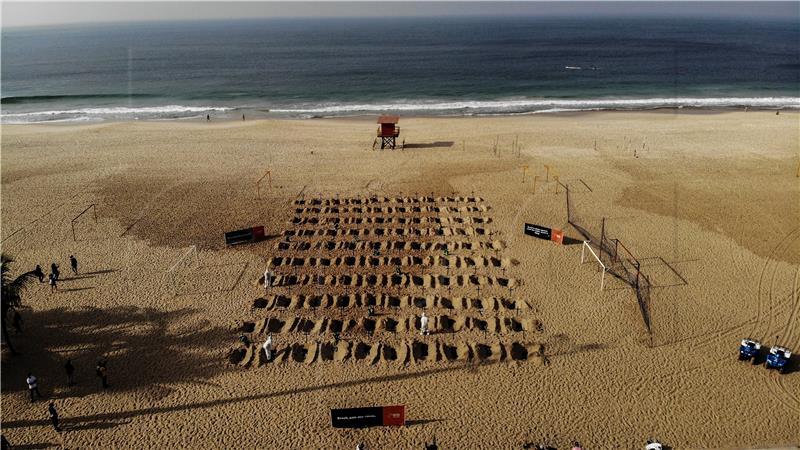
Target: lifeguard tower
388, 131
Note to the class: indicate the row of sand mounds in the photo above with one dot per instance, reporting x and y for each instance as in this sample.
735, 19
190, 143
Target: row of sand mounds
405, 352
415, 231
456, 262
393, 280
372, 325
391, 245
373, 200
390, 209
379, 220
386, 301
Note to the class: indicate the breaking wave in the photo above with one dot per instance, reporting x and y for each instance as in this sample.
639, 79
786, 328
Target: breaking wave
110, 113
546, 105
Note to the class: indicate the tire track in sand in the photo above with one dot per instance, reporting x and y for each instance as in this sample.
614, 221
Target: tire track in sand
766, 296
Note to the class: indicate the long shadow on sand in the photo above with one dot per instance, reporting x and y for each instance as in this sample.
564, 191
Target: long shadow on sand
437, 144
145, 352
120, 416
34, 446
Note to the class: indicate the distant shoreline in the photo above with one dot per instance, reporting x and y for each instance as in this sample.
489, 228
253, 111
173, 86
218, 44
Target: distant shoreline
371, 117
18, 111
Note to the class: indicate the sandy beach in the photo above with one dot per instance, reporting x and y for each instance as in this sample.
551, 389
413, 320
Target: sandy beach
524, 346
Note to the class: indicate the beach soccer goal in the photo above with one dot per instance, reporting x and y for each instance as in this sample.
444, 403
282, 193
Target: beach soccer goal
185, 263
268, 176
588, 247
75, 219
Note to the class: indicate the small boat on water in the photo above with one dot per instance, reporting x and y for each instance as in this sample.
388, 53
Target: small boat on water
573, 67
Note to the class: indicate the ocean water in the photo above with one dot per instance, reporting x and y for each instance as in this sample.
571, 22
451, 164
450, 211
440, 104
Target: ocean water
440, 66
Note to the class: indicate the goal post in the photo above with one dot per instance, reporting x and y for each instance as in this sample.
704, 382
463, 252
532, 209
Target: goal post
268, 176
74, 219
585, 247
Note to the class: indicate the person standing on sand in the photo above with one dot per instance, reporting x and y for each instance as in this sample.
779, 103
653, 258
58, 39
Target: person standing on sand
102, 372
54, 270
432, 446
423, 324
267, 280
73, 263
33, 386
53, 283
39, 274
51, 408
268, 347
70, 370
208, 117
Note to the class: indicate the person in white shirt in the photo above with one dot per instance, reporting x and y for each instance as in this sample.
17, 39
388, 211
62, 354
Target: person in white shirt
267, 280
423, 324
268, 347
33, 386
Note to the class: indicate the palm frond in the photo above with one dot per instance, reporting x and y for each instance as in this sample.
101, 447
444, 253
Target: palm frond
12, 289
22, 281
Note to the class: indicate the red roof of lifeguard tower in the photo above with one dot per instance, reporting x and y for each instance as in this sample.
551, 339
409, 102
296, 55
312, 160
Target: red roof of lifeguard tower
388, 119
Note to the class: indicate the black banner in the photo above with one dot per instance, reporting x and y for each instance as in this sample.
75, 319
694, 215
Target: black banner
246, 235
357, 417
538, 231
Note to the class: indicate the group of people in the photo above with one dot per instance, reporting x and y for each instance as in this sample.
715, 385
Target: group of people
55, 273
32, 381
101, 370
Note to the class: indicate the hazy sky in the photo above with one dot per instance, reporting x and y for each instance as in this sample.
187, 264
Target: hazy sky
54, 13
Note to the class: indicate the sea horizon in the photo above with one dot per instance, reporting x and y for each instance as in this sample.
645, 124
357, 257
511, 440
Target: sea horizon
455, 66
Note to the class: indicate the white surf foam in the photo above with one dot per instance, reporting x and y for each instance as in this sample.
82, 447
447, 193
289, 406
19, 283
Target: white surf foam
532, 105
84, 114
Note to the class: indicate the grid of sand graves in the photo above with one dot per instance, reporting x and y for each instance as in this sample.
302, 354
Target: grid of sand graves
351, 278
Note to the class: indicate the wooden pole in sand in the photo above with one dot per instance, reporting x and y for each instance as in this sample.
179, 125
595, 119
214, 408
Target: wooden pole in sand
524, 171
535, 179
547, 172
555, 177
